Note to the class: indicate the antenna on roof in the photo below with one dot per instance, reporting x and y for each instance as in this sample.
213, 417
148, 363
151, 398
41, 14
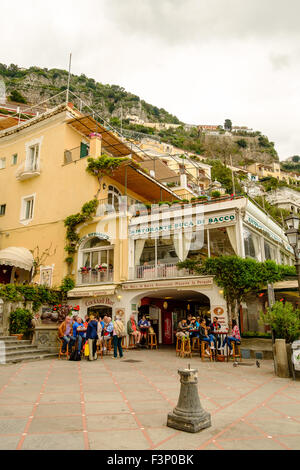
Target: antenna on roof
69, 76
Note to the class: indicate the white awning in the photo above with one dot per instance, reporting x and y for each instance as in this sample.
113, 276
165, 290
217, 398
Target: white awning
91, 291
17, 256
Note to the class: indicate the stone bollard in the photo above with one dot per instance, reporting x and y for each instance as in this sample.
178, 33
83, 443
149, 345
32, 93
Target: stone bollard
189, 415
282, 364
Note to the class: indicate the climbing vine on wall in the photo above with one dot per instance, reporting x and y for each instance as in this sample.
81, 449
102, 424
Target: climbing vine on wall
87, 212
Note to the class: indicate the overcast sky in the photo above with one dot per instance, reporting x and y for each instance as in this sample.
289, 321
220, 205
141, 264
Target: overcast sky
202, 60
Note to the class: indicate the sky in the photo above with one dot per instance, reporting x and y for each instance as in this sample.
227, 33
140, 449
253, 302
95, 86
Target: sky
202, 60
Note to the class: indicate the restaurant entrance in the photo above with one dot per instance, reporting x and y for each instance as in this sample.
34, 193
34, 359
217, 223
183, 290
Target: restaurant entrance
100, 311
165, 308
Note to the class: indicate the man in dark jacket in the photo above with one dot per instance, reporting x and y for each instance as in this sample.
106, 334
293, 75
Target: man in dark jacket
92, 336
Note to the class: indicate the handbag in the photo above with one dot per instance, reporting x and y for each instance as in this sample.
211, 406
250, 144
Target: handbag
86, 349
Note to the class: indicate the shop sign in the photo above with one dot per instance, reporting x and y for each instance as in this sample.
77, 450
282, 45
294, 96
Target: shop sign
153, 227
100, 301
262, 227
102, 236
203, 282
222, 317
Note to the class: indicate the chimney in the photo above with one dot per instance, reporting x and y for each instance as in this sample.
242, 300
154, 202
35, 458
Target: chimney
95, 145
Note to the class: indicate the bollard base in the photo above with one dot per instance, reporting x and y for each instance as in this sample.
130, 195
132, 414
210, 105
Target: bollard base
189, 424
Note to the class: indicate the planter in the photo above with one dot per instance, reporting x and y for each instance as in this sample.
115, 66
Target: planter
282, 358
18, 336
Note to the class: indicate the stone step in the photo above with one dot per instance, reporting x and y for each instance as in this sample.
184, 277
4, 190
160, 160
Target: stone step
25, 352
29, 358
12, 339
9, 349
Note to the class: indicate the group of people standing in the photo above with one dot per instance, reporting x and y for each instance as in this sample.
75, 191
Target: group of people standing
76, 334
197, 327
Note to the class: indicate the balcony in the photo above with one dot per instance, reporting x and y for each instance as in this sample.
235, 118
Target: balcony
161, 271
24, 173
94, 277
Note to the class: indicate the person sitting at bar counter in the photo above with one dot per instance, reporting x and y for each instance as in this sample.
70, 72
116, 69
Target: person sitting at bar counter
133, 329
215, 327
205, 336
182, 329
65, 333
143, 325
235, 336
78, 332
194, 328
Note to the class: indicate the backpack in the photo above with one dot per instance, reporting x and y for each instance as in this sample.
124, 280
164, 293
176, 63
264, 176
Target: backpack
75, 355
119, 328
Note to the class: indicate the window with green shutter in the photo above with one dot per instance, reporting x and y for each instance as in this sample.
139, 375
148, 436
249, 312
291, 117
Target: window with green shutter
84, 150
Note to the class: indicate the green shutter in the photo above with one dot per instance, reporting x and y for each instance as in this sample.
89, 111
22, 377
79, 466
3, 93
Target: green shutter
84, 150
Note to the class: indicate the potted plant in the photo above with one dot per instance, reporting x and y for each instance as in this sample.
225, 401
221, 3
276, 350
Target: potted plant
84, 270
20, 322
284, 321
215, 194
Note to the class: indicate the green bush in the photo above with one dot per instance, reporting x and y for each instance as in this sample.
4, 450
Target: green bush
20, 321
255, 334
216, 194
284, 321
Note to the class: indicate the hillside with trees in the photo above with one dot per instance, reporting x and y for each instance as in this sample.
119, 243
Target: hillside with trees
114, 103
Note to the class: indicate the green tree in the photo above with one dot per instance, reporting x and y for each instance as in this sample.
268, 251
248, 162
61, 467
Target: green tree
242, 143
17, 97
284, 321
227, 125
238, 276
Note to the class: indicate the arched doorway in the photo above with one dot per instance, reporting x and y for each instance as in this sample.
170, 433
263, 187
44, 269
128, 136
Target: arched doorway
100, 311
166, 307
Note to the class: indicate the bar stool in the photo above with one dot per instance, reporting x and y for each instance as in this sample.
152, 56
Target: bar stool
185, 349
131, 344
204, 346
99, 349
178, 345
236, 350
152, 341
196, 344
109, 345
124, 342
60, 353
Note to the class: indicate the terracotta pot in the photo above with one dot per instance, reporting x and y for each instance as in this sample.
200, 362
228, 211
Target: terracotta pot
19, 336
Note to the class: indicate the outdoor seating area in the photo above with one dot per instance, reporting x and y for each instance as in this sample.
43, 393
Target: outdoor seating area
195, 336
98, 337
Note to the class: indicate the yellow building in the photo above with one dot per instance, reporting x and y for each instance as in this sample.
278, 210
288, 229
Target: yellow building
262, 170
43, 180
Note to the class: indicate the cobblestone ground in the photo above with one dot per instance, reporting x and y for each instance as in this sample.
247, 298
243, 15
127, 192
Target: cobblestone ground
114, 404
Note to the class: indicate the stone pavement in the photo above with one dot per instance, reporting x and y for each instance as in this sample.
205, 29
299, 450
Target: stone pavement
114, 404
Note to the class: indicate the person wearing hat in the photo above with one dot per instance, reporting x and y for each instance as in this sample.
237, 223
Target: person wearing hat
194, 328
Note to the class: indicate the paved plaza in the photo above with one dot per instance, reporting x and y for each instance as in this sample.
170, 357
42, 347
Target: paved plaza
115, 404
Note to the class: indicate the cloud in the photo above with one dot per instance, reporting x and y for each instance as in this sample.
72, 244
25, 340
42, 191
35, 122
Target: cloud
280, 61
183, 21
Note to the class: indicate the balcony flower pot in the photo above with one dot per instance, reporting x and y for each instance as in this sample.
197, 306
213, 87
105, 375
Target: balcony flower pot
18, 336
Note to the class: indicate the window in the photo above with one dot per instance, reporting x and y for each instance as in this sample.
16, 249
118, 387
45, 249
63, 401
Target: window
84, 149
270, 251
251, 244
27, 208
113, 197
14, 159
2, 209
2, 163
97, 261
33, 157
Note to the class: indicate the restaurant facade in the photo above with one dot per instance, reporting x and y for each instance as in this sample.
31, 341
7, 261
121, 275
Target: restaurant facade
125, 261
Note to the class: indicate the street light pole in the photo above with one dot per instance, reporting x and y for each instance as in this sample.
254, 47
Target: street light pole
293, 236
